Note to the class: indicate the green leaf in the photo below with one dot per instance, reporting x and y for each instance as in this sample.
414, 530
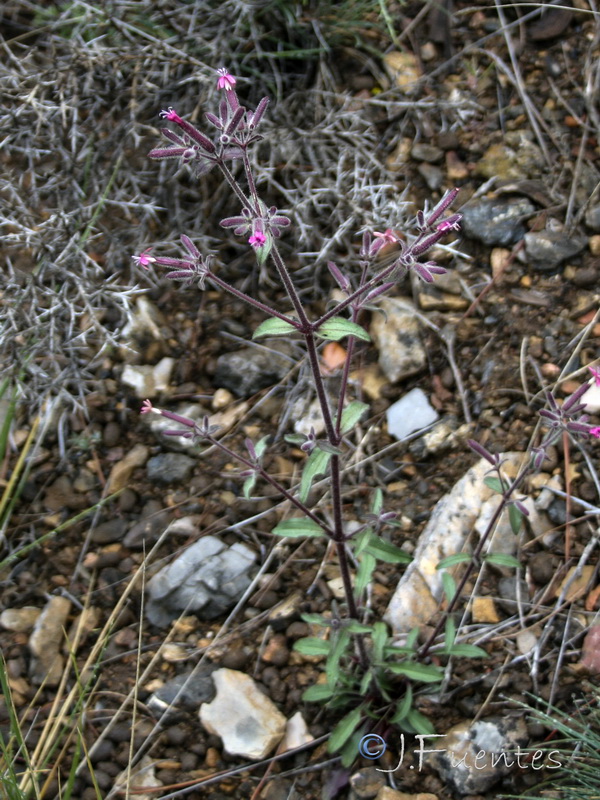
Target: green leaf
344, 730
366, 567
311, 646
418, 723
398, 650
403, 707
417, 672
248, 486
351, 414
450, 561
377, 502
329, 448
317, 693
261, 446
338, 327
297, 527
350, 750
361, 540
466, 651
449, 585
515, 517
450, 632
316, 464
314, 619
502, 560
333, 660
295, 438
495, 484
380, 637
411, 639
273, 327
365, 682
356, 627
386, 551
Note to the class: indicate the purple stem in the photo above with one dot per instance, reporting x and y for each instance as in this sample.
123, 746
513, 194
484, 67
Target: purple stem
237, 189
276, 485
250, 300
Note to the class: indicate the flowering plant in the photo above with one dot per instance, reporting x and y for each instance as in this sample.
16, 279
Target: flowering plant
362, 662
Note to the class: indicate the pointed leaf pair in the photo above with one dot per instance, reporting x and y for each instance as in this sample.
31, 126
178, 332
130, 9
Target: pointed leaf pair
298, 527
339, 327
274, 327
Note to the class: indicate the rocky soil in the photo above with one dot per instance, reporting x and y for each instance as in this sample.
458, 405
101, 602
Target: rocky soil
143, 550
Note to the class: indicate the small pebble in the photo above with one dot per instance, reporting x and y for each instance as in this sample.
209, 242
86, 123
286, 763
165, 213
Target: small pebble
112, 434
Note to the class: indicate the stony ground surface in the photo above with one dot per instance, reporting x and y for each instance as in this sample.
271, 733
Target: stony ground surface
501, 102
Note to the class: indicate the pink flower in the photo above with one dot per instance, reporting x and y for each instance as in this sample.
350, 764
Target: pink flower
388, 236
144, 260
147, 407
171, 115
226, 80
596, 374
595, 432
448, 225
258, 239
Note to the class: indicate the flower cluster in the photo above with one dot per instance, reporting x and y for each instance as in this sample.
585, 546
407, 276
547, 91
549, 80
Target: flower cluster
188, 270
236, 126
430, 233
268, 222
566, 418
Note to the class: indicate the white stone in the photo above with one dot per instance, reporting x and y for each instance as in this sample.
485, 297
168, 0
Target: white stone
307, 417
296, 733
142, 775
411, 413
143, 321
248, 722
20, 620
207, 578
591, 399
419, 592
147, 381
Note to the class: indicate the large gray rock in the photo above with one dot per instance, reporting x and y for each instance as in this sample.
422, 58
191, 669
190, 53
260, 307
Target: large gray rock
546, 250
207, 579
250, 369
496, 221
170, 468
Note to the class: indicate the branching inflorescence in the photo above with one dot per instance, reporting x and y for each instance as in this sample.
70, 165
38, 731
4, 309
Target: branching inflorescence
362, 662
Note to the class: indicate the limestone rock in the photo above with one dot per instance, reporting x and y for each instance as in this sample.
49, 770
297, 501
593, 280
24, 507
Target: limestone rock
396, 336
420, 589
46, 641
476, 757
248, 722
207, 578
411, 413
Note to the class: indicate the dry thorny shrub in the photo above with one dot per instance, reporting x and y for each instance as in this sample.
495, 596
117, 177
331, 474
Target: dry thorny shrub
82, 88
